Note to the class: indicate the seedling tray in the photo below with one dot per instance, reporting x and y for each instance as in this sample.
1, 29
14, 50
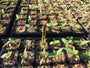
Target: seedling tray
7, 13
37, 21
80, 10
34, 50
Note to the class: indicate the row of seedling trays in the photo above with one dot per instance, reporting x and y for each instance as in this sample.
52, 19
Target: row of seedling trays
32, 14
23, 22
59, 20
68, 52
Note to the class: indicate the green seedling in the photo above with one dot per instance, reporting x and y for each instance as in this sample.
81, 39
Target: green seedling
86, 54
25, 43
1, 25
74, 26
43, 56
51, 24
17, 17
62, 26
29, 26
54, 54
21, 11
47, 1
75, 54
10, 41
6, 55
3, 12
81, 42
29, 18
67, 42
8, 6
31, 7
54, 42
55, 4
23, 55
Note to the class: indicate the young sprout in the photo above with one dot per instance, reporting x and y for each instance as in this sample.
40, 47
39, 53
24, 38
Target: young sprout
67, 42
25, 43
40, 8
81, 42
10, 41
62, 26
86, 55
7, 55
31, 7
51, 24
54, 42
1, 25
23, 55
29, 26
8, 6
55, 4
29, 18
47, 1
75, 54
74, 26
17, 17
55, 53
3, 12
21, 11
49, 11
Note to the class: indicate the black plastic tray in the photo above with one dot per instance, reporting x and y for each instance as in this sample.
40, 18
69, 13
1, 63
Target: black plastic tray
35, 63
11, 19
86, 31
38, 25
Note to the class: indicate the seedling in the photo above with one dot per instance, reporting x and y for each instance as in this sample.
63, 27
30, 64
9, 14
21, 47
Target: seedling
75, 54
31, 7
7, 55
39, 7
29, 26
67, 42
86, 54
1, 25
43, 56
8, 6
51, 24
54, 54
81, 42
3, 12
47, 1
74, 26
54, 42
64, 24
23, 55
55, 4
21, 11
25, 43
17, 17
29, 18
10, 41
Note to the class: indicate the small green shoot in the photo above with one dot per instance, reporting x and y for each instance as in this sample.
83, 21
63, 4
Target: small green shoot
17, 17
29, 26
54, 42
10, 41
1, 25
51, 24
29, 18
6, 55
